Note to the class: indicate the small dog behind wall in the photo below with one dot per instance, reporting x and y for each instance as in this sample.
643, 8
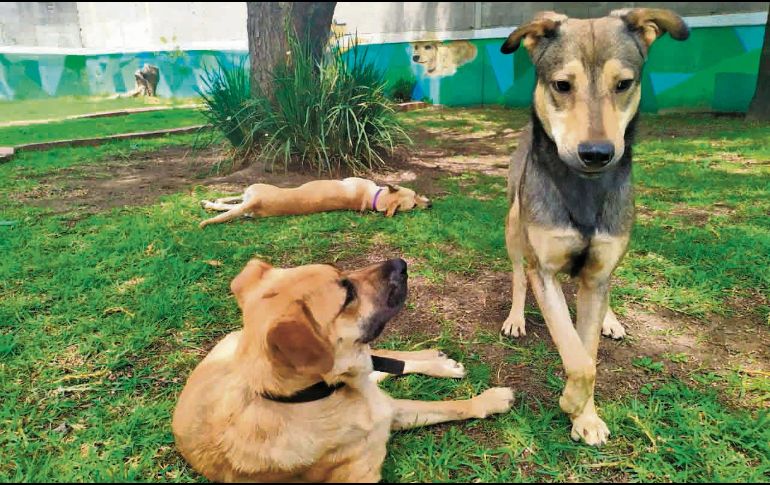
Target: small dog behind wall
442, 59
293, 396
352, 193
569, 183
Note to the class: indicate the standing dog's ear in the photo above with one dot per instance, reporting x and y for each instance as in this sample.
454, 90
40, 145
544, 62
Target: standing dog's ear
651, 23
295, 342
248, 277
545, 24
393, 188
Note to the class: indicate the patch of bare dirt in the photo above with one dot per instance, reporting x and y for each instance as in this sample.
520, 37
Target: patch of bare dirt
456, 151
143, 178
481, 303
137, 180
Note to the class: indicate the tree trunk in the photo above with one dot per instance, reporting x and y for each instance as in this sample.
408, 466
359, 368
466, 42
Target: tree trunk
313, 20
267, 40
268, 44
759, 109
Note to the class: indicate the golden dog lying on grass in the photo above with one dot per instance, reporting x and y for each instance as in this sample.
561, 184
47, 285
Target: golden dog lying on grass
293, 396
353, 193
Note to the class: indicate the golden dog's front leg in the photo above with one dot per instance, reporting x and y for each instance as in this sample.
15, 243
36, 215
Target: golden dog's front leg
431, 362
413, 414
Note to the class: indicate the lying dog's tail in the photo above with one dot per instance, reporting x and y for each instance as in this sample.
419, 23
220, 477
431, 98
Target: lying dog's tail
237, 211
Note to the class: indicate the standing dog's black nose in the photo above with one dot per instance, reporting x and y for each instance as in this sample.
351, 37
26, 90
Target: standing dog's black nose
596, 154
416, 58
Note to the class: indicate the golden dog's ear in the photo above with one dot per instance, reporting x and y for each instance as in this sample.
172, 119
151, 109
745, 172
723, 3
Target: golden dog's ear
248, 277
545, 24
295, 342
651, 23
393, 188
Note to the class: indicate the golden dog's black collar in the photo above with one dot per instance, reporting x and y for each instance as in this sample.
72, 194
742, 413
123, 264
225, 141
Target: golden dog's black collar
322, 390
316, 392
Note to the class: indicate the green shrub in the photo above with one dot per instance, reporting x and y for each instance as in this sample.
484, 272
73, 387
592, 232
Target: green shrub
401, 91
225, 96
323, 115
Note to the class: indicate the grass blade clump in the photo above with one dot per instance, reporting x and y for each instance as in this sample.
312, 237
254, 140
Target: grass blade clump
326, 115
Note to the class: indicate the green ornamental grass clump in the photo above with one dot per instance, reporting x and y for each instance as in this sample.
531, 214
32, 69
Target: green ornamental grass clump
327, 115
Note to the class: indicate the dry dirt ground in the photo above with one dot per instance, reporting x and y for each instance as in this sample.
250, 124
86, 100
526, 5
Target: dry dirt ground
478, 303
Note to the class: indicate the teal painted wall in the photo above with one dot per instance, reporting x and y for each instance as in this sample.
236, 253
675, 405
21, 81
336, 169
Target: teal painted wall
716, 69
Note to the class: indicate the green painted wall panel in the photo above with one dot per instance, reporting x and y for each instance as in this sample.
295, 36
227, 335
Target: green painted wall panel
691, 74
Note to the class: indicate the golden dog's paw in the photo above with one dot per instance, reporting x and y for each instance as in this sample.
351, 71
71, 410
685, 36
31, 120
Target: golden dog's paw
443, 366
205, 203
514, 326
493, 401
590, 428
612, 328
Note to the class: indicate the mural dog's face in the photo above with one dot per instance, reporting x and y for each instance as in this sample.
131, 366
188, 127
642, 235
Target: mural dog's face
588, 78
426, 53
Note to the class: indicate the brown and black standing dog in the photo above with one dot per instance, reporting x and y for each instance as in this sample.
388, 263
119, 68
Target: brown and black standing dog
293, 397
569, 184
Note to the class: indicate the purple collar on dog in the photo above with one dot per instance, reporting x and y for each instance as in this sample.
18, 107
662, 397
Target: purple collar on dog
374, 202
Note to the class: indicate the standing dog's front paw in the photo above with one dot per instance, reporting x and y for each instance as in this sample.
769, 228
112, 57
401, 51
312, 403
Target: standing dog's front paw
590, 428
612, 328
514, 326
493, 401
205, 204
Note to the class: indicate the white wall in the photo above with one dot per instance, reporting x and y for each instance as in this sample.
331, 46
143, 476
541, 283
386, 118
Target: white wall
48, 24
148, 26
163, 25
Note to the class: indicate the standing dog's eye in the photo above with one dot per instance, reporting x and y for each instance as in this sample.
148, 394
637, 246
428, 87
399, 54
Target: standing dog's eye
428, 47
562, 86
351, 292
624, 85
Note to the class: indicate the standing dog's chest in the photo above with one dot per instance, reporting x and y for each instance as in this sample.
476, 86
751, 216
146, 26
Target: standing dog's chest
565, 249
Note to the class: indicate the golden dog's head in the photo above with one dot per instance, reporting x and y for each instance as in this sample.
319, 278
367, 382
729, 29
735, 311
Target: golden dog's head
588, 78
398, 198
317, 320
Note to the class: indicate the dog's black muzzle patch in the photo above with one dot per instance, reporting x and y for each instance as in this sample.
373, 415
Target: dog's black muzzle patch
394, 295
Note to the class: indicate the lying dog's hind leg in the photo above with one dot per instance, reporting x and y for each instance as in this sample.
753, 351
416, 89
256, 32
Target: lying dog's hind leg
413, 414
236, 211
237, 199
427, 362
515, 324
217, 205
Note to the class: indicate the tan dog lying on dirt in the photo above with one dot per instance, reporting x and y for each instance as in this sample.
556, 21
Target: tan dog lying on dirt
293, 396
352, 193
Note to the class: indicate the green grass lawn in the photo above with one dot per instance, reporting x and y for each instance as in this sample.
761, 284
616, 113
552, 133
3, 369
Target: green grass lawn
103, 316
88, 128
61, 107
